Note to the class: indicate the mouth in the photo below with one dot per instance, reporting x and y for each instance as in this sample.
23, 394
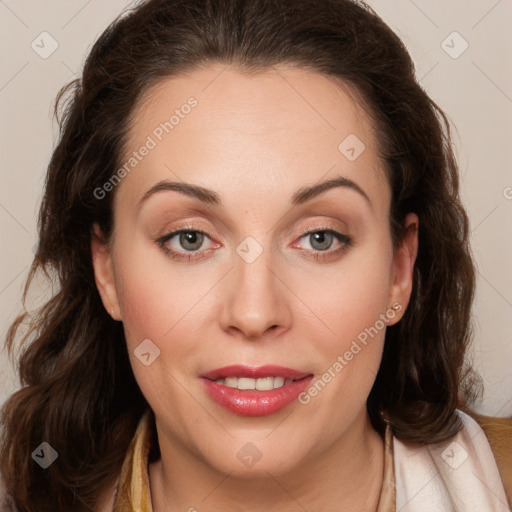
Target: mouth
255, 391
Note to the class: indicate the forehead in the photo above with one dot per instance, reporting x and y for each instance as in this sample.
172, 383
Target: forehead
283, 127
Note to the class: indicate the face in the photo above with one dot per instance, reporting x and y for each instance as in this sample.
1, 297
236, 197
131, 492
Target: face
252, 249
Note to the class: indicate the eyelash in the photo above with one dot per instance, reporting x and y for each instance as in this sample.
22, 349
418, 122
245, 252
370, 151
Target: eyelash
344, 240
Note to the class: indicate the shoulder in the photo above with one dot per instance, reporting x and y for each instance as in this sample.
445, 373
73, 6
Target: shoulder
498, 432
470, 468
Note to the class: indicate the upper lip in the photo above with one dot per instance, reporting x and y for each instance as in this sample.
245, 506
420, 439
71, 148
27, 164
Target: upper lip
254, 372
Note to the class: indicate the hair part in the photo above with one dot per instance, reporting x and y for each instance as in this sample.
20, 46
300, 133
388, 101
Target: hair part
79, 393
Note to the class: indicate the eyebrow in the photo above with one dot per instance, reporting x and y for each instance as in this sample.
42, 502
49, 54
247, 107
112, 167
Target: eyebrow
209, 196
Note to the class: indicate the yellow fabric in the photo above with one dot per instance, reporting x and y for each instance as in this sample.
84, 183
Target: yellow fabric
133, 492
499, 434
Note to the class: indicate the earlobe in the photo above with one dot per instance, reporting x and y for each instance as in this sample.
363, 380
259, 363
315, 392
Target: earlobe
104, 272
404, 260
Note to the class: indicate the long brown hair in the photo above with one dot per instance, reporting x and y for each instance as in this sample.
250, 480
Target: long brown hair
79, 393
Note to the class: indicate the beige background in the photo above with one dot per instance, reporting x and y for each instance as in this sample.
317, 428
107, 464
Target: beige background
475, 89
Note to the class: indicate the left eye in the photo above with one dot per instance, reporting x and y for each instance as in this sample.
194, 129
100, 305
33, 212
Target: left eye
323, 240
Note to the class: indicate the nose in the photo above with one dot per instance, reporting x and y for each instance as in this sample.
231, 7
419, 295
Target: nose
255, 302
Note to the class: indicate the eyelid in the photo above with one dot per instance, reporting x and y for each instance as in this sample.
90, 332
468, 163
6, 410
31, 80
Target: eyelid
167, 232
323, 225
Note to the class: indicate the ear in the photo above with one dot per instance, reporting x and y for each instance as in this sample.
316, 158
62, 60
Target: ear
104, 272
403, 268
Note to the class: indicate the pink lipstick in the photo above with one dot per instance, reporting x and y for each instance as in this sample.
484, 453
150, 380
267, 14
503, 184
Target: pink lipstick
255, 391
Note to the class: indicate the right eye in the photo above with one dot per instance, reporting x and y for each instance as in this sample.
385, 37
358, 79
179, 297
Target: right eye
178, 243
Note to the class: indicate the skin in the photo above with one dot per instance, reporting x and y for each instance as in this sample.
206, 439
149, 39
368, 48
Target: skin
256, 140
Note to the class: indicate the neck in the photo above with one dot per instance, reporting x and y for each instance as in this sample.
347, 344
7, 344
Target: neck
344, 476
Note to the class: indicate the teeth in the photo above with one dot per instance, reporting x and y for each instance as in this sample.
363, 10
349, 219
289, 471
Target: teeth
245, 383
278, 382
263, 384
231, 382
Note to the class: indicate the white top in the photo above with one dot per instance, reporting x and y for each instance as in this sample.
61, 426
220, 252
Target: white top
456, 476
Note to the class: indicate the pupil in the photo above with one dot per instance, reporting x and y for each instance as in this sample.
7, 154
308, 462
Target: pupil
322, 240
191, 240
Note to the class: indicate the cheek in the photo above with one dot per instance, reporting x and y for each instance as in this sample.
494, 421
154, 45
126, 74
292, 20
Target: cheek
351, 295
353, 306
161, 303
158, 305
140, 293
156, 295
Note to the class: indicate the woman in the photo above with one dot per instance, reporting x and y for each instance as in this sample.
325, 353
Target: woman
264, 280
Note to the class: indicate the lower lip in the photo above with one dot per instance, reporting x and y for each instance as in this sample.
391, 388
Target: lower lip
253, 402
